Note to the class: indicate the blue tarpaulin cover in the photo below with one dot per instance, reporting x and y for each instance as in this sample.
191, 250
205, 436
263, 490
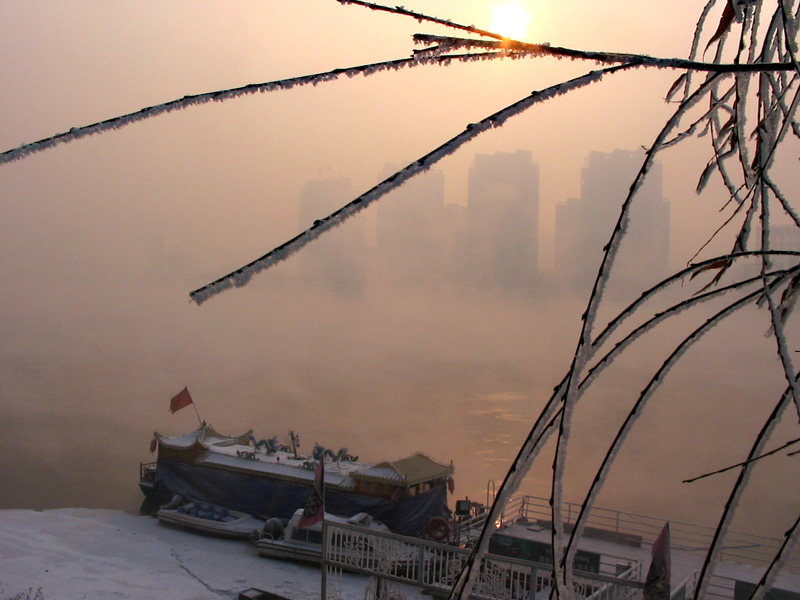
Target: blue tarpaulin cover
266, 497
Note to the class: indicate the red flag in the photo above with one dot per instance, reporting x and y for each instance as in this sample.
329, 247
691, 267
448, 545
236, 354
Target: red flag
181, 400
315, 506
657, 585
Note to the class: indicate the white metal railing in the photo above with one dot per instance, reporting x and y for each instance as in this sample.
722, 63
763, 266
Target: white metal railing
610, 591
720, 588
738, 547
685, 589
433, 567
727, 588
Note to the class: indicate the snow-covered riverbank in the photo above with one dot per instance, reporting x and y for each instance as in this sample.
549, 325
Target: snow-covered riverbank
74, 554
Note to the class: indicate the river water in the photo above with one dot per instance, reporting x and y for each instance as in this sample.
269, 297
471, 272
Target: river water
87, 375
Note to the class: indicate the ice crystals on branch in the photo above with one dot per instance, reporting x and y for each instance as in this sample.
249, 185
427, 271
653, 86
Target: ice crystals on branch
764, 49
243, 275
76, 133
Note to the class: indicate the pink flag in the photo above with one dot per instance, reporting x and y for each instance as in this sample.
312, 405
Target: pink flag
657, 585
315, 506
181, 400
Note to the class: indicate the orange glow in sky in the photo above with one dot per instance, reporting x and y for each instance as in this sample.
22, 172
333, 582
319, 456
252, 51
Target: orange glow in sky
510, 20
102, 239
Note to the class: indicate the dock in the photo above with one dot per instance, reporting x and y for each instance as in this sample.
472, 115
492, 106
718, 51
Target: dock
611, 561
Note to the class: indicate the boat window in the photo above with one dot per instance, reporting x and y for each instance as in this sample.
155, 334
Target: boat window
307, 535
315, 537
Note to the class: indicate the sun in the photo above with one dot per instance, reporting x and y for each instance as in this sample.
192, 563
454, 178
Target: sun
510, 20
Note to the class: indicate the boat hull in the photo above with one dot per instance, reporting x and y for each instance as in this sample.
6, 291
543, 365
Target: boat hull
266, 496
285, 550
236, 526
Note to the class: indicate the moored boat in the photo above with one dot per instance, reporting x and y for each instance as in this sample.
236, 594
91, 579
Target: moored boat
265, 479
305, 543
210, 519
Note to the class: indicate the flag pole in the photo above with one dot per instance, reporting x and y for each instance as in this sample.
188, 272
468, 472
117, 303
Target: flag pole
323, 565
313, 513
194, 404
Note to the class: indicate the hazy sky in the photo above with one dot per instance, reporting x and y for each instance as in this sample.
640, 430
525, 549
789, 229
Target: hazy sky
92, 348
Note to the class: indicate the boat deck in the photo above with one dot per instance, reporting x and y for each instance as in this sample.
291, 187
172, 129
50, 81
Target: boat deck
612, 561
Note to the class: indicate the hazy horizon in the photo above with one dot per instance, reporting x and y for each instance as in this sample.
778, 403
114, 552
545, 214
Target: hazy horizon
94, 344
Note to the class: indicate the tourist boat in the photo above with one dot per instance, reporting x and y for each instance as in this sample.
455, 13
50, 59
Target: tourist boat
305, 544
210, 519
265, 479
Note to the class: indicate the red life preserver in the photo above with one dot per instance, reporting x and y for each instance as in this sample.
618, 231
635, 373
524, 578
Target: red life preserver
153, 445
438, 529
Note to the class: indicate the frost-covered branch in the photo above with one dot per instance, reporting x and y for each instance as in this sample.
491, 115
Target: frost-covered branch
541, 431
690, 303
767, 137
448, 43
76, 133
781, 556
636, 410
242, 276
584, 350
737, 490
751, 81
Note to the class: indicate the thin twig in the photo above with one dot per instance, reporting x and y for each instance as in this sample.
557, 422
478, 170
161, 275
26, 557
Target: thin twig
744, 462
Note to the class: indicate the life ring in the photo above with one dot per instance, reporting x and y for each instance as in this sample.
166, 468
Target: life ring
438, 529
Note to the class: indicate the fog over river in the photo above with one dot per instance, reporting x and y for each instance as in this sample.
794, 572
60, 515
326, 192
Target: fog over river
103, 239
87, 374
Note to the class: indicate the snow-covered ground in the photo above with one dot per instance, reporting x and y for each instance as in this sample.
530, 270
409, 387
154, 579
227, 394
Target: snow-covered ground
75, 554
92, 554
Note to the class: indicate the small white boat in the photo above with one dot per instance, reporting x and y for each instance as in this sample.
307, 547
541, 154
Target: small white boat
304, 544
210, 519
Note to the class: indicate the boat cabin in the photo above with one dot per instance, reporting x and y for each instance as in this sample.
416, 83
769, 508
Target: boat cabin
242, 474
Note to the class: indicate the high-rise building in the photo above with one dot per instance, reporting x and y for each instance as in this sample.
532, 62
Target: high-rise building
584, 225
411, 232
334, 259
503, 219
